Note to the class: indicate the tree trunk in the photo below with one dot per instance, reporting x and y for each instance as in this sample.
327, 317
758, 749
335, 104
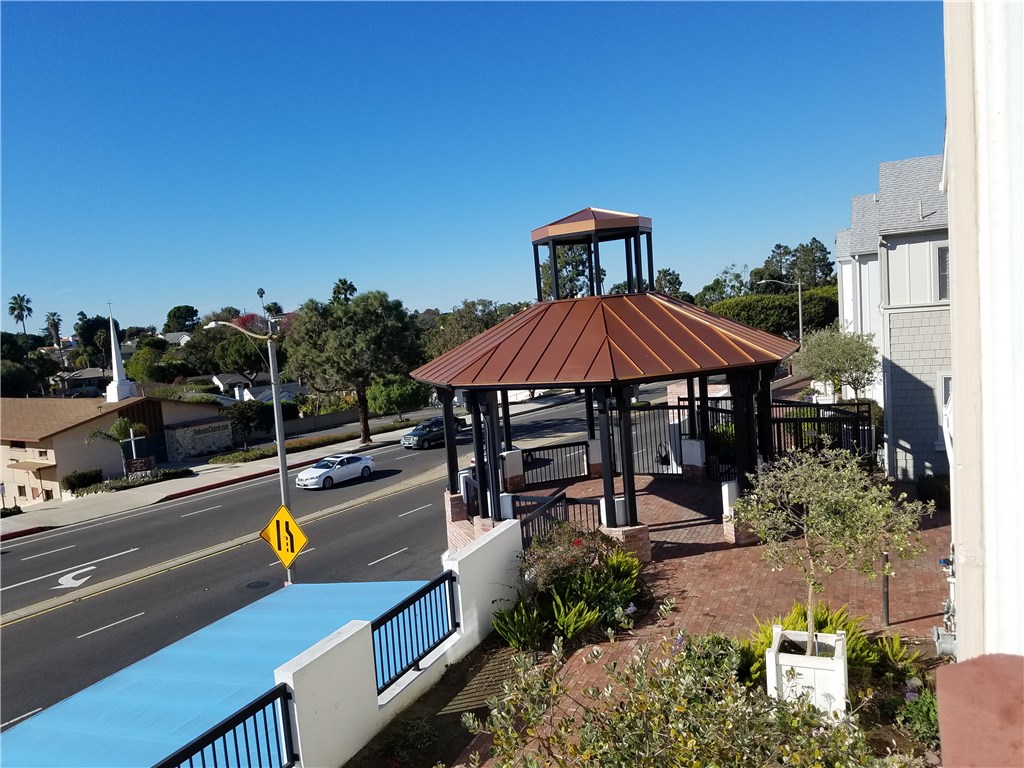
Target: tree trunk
810, 619
364, 415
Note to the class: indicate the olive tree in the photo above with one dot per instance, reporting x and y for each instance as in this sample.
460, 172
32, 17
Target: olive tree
820, 511
840, 358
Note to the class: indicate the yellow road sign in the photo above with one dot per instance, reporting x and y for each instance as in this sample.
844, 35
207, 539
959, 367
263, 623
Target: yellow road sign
284, 536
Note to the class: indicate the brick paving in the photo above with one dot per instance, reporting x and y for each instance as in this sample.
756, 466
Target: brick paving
721, 587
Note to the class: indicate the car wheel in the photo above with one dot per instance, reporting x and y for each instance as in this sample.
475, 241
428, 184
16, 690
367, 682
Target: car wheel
426, 444
366, 472
328, 482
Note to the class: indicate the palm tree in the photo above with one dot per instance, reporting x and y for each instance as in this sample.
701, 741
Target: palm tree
273, 309
343, 291
53, 322
20, 309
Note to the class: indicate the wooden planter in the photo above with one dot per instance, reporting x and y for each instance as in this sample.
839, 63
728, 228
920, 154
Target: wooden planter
792, 674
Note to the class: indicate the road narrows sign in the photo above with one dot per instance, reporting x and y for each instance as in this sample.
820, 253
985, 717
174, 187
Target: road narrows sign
284, 536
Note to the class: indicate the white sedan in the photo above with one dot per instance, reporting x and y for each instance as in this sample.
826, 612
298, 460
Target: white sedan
335, 469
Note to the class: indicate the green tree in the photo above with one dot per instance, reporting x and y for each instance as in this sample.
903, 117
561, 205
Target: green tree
273, 309
845, 519
669, 282
119, 431
238, 353
53, 323
811, 265
181, 319
224, 314
43, 368
336, 346
143, 365
153, 342
16, 380
396, 392
139, 332
728, 284
840, 358
248, 416
343, 291
93, 346
572, 272
20, 308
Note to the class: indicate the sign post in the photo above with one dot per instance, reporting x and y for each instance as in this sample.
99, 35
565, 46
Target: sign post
285, 537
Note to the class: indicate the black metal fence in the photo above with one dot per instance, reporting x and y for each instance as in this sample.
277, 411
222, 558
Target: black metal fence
796, 426
553, 463
259, 734
539, 514
404, 636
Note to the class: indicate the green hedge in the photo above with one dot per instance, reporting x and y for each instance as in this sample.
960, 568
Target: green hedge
302, 444
123, 484
83, 478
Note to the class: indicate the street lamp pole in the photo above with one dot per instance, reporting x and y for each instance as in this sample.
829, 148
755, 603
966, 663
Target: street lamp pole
275, 391
799, 302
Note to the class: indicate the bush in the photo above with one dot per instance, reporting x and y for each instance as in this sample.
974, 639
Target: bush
920, 716
575, 582
299, 444
681, 706
123, 483
722, 442
861, 653
10, 511
82, 478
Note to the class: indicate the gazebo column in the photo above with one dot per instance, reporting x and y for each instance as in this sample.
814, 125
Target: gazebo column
536, 271
691, 408
650, 258
506, 421
626, 453
489, 409
765, 439
630, 277
553, 266
591, 274
588, 394
604, 413
473, 403
743, 384
639, 265
703, 420
447, 396
597, 266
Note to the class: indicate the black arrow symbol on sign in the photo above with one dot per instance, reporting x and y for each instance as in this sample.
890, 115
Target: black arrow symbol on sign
290, 535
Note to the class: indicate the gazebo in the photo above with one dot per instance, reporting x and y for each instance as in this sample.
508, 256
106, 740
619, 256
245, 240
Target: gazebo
604, 345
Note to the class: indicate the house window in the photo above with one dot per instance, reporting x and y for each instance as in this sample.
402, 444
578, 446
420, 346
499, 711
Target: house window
21, 491
43, 454
947, 389
942, 268
20, 444
47, 494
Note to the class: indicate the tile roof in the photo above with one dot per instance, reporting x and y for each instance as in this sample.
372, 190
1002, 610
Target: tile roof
604, 339
37, 418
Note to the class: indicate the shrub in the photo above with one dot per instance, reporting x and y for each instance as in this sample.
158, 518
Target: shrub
861, 653
722, 442
9, 511
682, 706
573, 620
521, 626
920, 716
895, 658
123, 483
82, 478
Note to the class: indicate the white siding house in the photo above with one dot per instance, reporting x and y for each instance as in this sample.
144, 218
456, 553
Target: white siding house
893, 265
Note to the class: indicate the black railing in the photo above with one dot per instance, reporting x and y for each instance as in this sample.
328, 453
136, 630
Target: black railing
552, 463
796, 426
404, 636
259, 734
543, 518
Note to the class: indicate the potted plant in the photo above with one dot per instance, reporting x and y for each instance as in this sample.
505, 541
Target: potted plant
820, 511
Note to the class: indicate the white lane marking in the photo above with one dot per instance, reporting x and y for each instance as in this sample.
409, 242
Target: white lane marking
303, 552
415, 510
387, 556
21, 717
208, 509
52, 551
69, 568
408, 455
122, 621
68, 580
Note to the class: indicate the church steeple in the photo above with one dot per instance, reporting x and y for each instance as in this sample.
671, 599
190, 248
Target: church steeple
120, 388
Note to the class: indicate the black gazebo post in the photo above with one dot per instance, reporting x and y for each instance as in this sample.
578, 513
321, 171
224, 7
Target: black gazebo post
506, 421
479, 474
765, 439
446, 396
626, 453
741, 383
604, 424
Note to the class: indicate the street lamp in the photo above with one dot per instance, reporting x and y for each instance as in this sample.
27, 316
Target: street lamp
275, 390
799, 302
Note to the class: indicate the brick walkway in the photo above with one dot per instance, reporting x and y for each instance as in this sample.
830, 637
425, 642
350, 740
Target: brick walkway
720, 587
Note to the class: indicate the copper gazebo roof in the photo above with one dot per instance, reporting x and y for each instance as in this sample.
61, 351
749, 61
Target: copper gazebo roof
590, 221
598, 340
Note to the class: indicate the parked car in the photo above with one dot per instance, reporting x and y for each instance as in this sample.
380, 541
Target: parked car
429, 432
335, 469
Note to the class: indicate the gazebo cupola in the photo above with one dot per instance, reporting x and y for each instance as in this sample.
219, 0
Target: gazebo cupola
589, 228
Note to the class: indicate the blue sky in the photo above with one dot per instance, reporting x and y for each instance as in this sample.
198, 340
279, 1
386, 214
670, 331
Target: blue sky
156, 154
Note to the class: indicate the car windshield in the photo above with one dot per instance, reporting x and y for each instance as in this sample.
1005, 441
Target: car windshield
420, 429
325, 463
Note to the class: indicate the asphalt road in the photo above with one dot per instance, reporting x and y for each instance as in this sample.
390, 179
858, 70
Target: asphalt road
171, 589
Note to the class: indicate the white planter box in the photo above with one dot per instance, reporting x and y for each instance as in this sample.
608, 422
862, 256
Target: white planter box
791, 674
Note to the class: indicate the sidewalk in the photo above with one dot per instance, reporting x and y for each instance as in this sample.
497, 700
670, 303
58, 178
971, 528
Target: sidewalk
55, 514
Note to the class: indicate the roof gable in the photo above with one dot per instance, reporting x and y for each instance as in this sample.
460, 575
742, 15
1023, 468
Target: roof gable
37, 418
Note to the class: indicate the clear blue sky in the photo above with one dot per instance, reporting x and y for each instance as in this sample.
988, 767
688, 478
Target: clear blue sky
190, 153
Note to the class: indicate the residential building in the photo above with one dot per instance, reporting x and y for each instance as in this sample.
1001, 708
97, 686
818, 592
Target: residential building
179, 339
894, 283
